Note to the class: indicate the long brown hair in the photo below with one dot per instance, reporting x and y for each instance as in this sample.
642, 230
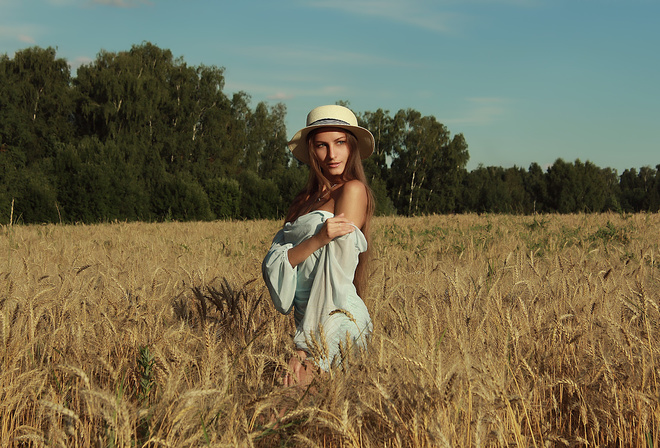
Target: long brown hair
317, 181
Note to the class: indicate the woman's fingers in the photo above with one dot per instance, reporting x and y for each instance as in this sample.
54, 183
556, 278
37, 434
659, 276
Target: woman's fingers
335, 231
338, 226
296, 367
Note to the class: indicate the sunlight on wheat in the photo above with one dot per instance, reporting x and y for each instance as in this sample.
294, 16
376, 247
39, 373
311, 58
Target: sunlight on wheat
488, 331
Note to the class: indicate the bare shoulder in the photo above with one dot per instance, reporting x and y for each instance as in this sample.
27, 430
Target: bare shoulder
352, 201
354, 189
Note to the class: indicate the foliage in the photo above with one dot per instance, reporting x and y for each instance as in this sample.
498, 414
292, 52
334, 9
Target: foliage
141, 135
640, 191
261, 197
224, 197
428, 167
180, 197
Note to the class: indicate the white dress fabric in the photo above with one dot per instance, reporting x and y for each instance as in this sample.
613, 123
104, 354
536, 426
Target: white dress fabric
320, 290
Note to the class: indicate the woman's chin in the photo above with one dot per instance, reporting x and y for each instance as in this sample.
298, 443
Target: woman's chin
335, 173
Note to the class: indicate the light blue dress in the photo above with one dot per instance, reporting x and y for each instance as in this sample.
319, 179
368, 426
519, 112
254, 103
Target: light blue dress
320, 290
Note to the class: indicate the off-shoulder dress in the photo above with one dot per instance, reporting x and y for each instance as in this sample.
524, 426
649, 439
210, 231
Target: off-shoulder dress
320, 290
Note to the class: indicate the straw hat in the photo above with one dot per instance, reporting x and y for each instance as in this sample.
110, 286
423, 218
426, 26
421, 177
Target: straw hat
336, 117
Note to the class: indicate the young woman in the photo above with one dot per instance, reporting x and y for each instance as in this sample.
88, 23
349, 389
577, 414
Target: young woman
316, 264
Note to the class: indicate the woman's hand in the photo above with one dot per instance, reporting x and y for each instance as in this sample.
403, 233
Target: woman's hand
302, 372
335, 227
331, 229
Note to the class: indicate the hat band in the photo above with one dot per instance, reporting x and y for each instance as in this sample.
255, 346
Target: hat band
329, 121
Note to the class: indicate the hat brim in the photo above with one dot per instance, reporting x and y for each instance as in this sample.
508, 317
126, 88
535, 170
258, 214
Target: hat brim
298, 144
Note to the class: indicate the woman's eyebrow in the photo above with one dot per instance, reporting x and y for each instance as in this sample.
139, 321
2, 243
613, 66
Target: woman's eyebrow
323, 140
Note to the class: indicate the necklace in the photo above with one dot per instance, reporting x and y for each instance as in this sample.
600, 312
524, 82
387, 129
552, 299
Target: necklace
326, 193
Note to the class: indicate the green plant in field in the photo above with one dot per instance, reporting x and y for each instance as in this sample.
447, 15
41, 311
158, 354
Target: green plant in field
146, 368
537, 224
606, 233
610, 233
146, 361
459, 248
570, 236
539, 247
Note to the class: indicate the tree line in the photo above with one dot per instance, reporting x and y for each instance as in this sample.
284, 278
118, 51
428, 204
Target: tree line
140, 135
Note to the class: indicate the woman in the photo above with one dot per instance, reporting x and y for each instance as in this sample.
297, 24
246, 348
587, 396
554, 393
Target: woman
316, 264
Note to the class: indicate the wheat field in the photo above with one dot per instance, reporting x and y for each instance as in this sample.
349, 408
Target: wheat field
489, 331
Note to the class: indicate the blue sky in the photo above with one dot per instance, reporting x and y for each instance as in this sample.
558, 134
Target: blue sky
523, 80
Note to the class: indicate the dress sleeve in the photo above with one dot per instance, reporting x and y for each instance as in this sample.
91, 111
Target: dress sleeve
333, 282
279, 275
334, 310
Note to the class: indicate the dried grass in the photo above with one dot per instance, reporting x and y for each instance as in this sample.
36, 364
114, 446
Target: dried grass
488, 331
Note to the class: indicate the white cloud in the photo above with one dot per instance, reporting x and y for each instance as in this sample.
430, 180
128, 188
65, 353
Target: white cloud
25, 34
480, 111
77, 62
26, 39
280, 96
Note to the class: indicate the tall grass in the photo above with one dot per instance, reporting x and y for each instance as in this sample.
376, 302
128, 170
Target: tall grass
488, 331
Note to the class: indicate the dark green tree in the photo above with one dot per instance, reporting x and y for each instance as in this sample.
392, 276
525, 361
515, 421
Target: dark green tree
180, 197
495, 190
260, 198
224, 197
639, 190
581, 187
36, 103
388, 133
563, 190
84, 191
428, 168
144, 96
536, 188
263, 147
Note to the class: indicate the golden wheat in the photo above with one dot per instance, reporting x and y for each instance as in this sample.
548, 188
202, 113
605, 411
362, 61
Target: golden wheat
488, 331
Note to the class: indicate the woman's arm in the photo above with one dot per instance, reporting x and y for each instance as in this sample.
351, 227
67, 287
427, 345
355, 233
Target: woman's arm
279, 275
352, 202
332, 228
350, 209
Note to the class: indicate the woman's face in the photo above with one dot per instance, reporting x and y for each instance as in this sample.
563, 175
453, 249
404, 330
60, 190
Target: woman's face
332, 150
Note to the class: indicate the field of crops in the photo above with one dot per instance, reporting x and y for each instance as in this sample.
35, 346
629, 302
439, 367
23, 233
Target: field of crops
525, 331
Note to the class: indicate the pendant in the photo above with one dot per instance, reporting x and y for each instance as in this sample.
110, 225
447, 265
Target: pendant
325, 194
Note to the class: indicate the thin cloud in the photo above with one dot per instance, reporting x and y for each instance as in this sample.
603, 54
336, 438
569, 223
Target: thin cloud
279, 93
26, 34
481, 111
280, 96
80, 60
27, 39
122, 3
415, 13
299, 55
87, 3
432, 15
509, 2
64, 2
